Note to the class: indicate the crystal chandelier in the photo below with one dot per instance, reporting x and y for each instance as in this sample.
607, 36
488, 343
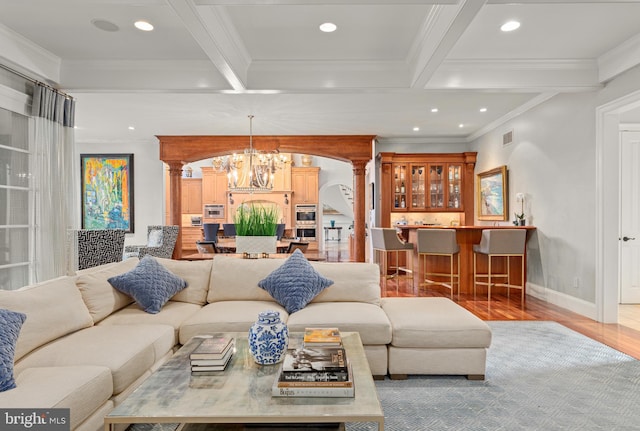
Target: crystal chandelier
252, 170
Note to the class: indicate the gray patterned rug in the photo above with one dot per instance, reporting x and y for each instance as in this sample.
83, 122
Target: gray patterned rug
540, 376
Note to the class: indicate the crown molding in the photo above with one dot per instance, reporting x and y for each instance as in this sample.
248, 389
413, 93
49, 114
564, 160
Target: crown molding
619, 59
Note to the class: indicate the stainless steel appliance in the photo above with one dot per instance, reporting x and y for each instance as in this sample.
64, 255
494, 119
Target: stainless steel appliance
306, 222
306, 233
214, 211
306, 214
196, 221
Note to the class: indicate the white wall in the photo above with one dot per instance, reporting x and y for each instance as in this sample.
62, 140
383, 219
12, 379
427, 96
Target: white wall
552, 161
148, 180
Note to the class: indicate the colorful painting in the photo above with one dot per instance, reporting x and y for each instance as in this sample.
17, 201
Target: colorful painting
107, 191
492, 194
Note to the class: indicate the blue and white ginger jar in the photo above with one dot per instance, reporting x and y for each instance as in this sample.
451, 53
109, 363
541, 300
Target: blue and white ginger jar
268, 338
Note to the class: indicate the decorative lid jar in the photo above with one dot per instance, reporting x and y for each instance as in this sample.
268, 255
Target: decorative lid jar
268, 338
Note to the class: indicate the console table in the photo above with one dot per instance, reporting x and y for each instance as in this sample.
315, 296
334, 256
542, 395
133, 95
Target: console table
330, 228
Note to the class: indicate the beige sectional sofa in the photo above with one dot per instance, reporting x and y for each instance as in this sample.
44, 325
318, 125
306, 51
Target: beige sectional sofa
86, 346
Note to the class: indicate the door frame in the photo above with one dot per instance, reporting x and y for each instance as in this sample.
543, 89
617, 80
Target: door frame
608, 205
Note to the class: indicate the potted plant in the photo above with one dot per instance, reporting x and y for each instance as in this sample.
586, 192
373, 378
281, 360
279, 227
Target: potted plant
256, 225
520, 221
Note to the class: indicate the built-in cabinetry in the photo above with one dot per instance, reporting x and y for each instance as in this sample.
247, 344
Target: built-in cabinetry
192, 195
304, 182
214, 186
430, 182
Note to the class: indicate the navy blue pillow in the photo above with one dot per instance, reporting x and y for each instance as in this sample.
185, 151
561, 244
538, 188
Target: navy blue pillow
149, 283
295, 283
10, 324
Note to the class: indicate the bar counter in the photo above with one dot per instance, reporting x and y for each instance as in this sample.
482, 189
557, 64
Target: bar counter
466, 236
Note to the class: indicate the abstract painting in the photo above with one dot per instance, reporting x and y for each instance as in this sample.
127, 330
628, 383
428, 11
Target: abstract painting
107, 191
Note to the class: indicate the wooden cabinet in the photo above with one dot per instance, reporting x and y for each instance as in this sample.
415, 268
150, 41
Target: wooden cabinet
192, 196
214, 186
304, 182
426, 183
189, 237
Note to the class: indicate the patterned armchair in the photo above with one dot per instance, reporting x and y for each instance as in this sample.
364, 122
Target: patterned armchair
89, 248
161, 240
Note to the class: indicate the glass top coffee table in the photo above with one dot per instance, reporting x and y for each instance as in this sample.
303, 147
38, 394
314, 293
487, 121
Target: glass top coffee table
241, 394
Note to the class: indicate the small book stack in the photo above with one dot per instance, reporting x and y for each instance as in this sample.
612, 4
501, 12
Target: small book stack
322, 337
315, 370
212, 355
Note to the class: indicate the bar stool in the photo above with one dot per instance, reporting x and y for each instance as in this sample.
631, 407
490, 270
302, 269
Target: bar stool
384, 241
440, 242
500, 243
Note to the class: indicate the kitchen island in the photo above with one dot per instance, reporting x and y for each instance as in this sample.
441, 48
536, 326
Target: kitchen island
466, 236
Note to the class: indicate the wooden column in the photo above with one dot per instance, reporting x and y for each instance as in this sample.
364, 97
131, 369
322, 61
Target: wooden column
359, 210
175, 211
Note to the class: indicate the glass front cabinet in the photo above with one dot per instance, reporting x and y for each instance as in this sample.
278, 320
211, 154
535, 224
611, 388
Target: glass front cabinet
427, 182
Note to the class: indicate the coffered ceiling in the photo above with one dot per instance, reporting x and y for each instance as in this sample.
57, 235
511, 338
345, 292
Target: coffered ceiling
209, 63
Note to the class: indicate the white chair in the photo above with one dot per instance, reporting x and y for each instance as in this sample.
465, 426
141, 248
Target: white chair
385, 241
440, 242
500, 243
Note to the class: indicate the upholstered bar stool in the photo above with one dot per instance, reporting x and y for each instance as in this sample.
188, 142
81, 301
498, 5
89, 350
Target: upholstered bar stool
440, 242
496, 243
385, 241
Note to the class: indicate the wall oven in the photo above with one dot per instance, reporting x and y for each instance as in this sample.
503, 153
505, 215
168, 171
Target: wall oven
306, 214
213, 211
307, 233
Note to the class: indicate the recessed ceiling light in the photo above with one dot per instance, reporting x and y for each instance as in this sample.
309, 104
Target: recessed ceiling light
328, 27
131, 128
510, 26
434, 109
483, 109
461, 125
105, 25
143, 25
416, 129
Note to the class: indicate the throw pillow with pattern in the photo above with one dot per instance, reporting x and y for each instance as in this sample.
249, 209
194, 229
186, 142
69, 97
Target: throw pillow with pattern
10, 325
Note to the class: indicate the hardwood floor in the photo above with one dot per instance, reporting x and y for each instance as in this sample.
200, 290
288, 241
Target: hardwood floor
624, 337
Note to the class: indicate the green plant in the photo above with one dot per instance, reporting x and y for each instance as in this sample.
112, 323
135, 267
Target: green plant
256, 219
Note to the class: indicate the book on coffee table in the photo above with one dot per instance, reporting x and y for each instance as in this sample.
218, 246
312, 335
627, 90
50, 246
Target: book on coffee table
312, 359
212, 348
307, 388
329, 337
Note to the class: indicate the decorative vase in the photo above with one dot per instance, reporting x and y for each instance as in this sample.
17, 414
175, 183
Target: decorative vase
268, 338
307, 160
522, 222
256, 244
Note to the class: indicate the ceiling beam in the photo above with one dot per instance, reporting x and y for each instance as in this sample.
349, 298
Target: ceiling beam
216, 36
444, 27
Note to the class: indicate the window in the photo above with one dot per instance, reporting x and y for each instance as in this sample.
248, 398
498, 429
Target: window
15, 195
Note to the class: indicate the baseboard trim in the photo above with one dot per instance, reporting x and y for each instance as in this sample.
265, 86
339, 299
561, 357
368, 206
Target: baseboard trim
571, 303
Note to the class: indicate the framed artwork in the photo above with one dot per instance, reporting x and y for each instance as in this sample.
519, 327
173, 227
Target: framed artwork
107, 191
492, 194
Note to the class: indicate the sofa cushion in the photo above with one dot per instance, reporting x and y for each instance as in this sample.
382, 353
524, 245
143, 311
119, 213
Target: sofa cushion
294, 283
54, 308
98, 294
127, 350
173, 313
83, 389
352, 282
367, 319
227, 316
197, 275
434, 323
10, 324
234, 279
150, 284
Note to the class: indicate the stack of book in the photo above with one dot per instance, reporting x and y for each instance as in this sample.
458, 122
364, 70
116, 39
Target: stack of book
212, 355
322, 337
314, 371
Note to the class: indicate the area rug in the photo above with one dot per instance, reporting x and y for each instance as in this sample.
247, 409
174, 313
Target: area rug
540, 376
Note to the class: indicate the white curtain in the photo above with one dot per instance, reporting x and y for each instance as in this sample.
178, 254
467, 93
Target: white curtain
55, 181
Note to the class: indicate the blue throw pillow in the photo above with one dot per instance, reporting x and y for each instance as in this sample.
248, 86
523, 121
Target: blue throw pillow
295, 283
10, 324
149, 283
